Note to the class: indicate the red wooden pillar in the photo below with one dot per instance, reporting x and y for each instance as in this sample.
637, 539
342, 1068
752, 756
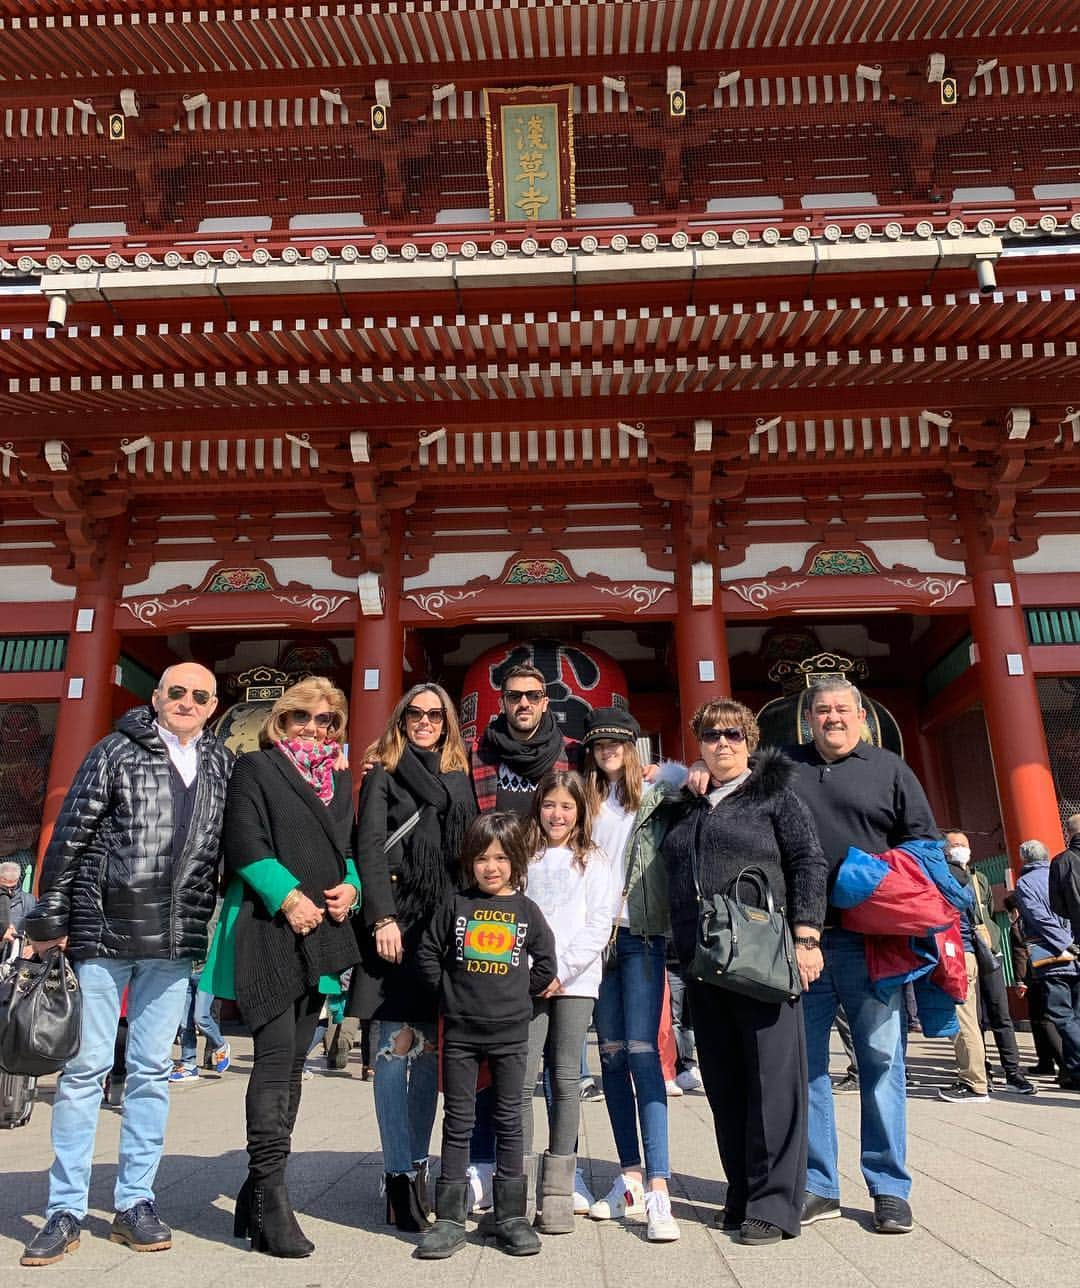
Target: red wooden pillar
1010, 700
377, 674
85, 711
700, 642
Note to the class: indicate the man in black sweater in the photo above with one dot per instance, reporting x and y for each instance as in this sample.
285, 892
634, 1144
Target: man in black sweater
864, 796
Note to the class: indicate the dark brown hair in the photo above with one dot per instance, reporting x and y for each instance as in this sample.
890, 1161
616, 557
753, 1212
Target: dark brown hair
580, 842
719, 711
505, 830
524, 673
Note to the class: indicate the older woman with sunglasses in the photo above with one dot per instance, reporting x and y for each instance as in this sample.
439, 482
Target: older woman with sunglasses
415, 807
752, 1053
284, 938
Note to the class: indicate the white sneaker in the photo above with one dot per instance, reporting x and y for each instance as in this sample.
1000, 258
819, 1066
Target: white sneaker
662, 1226
479, 1176
690, 1079
672, 1087
583, 1196
625, 1198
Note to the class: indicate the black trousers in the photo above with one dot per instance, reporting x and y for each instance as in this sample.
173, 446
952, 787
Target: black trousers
460, 1065
273, 1092
752, 1057
994, 1015
1047, 1038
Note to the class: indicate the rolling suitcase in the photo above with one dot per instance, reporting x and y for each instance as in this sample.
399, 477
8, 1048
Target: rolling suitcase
17, 1092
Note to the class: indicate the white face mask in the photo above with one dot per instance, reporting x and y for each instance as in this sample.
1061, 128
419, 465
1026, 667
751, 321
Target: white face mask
960, 854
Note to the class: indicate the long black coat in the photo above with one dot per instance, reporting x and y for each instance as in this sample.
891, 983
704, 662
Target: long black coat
109, 881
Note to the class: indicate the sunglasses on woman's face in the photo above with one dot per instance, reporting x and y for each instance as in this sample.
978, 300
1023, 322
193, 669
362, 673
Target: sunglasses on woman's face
433, 715
712, 736
199, 696
324, 720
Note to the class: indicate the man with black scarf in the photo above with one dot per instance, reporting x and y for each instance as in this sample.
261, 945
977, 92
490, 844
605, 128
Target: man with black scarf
15, 903
519, 747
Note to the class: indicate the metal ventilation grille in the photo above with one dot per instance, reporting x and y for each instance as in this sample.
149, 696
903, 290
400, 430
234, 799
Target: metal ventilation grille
1059, 699
26, 739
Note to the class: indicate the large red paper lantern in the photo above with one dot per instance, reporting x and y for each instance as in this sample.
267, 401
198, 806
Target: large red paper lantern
579, 677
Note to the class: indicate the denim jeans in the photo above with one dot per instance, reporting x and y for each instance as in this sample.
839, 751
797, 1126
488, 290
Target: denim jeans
406, 1091
157, 992
627, 1022
557, 1030
1063, 1011
682, 1023
875, 1032
198, 1013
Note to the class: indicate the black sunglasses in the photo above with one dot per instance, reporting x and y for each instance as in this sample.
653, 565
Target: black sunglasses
324, 720
516, 696
433, 715
713, 736
199, 696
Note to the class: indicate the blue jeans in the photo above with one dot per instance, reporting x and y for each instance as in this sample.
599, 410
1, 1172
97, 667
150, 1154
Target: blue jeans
198, 1013
1063, 1011
876, 1033
627, 1023
406, 1092
157, 992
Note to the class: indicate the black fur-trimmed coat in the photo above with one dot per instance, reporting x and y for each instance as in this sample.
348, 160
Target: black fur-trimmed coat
763, 824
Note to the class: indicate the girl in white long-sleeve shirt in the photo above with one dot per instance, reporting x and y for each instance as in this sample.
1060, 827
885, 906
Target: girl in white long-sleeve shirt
570, 881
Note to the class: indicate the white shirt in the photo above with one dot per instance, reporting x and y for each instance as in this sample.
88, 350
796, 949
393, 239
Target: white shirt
185, 758
611, 831
577, 906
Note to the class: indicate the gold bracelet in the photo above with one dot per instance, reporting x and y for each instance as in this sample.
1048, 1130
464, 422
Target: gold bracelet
290, 899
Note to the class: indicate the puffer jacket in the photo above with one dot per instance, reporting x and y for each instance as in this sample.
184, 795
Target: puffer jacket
109, 881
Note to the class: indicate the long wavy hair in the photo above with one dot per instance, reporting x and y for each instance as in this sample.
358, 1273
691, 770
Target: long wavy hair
580, 842
628, 790
391, 746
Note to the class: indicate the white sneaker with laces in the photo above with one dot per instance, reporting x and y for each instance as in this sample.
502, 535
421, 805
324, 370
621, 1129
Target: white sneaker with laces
662, 1226
583, 1196
625, 1198
690, 1079
479, 1176
672, 1087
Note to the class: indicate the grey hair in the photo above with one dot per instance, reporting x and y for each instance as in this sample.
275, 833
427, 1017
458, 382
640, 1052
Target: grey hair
10, 867
1072, 825
834, 684
1034, 852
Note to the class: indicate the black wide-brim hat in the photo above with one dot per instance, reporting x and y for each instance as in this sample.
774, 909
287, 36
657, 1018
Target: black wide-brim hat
612, 723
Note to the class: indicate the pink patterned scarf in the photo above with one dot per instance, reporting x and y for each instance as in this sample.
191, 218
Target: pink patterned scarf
314, 762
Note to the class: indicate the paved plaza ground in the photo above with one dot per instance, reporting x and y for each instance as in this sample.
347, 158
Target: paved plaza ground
996, 1200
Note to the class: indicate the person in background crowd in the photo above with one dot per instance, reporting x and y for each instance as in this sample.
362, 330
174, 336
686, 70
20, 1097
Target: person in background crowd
752, 1053
16, 904
416, 804
570, 882
1065, 877
971, 1082
629, 824
127, 886
865, 796
1046, 1038
687, 1073
284, 938
1050, 941
199, 1018
486, 1015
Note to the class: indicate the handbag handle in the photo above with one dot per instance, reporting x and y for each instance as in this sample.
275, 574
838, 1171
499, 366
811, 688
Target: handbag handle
759, 880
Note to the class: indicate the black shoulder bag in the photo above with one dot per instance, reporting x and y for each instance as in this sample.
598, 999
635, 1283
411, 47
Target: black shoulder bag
745, 948
40, 1015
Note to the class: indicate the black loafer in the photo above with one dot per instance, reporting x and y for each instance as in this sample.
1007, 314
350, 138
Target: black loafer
57, 1237
892, 1215
818, 1208
141, 1228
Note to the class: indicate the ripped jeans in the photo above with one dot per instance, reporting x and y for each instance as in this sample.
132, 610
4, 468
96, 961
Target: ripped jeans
627, 1022
406, 1092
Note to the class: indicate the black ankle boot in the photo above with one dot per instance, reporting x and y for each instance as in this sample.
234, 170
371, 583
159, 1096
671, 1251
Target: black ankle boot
242, 1216
448, 1233
513, 1233
273, 1224
402, 1207
420, 1190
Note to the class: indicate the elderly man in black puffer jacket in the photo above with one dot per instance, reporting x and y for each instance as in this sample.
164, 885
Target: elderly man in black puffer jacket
128, 885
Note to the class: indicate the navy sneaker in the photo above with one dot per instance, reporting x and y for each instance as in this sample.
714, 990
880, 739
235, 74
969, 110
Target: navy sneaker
891, 1214
141, 1228
57, 1237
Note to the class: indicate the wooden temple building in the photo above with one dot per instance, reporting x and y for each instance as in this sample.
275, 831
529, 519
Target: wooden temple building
701, 336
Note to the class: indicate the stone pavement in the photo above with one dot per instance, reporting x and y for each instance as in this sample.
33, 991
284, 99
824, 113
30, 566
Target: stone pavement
996, 1200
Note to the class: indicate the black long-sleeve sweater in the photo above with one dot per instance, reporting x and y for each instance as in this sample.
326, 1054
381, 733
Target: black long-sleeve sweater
487, 956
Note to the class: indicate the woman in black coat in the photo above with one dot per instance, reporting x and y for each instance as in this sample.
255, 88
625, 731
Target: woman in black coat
415, 806
284, 929
752, 1054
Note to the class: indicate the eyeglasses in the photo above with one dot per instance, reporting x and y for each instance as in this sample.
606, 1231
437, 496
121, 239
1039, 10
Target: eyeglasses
433, 715
516, 696
324, 720
199, 696
713, 736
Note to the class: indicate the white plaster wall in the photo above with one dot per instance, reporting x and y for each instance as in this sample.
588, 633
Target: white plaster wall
915, 553
314, 571
1055, 554
32, 582
618, 565
164, 576
457, 569
759, 561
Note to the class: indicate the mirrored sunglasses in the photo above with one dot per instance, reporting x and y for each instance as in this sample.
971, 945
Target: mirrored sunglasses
199, 696
713, 736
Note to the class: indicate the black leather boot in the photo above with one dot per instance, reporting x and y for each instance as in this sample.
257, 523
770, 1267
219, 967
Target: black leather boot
273, 1225
513, 1233
402, 1207
448, 1233
242, 1216
421, 1182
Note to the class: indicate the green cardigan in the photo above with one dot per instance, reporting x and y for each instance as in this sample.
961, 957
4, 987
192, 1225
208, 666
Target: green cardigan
271, 881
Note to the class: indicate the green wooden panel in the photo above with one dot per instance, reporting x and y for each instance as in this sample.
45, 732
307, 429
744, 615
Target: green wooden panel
1053, 625
20, 654
948, 668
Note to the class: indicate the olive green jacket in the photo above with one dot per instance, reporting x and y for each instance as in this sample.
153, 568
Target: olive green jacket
645, 881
